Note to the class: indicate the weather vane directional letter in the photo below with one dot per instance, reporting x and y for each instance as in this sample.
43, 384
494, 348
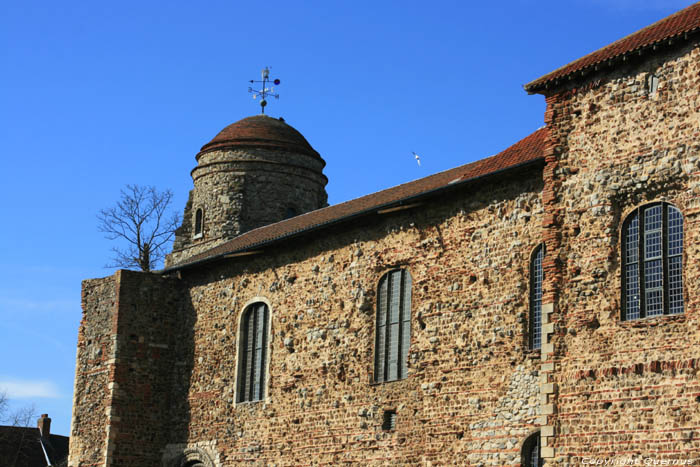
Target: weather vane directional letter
265, 91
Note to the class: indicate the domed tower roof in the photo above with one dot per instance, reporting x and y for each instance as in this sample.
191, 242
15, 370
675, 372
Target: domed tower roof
261, 131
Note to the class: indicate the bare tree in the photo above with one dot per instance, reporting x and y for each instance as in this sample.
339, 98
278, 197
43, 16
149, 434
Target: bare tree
17, 443
23, 416
141, 219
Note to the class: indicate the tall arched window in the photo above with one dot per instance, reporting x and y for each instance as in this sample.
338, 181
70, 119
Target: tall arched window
531, 451
252, 352
198, 223
393, 329
652, 262
536, 279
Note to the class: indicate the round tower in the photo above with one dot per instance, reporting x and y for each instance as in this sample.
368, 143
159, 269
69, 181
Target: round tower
255, 172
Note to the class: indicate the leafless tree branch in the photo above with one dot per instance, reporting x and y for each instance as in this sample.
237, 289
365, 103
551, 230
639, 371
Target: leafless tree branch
141, 220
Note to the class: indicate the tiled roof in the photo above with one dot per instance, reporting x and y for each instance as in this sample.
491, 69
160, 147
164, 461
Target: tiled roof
24, 447
678, 24
261, 131
527, 150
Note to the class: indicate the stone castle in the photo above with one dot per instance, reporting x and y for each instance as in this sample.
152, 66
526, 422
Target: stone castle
537, 307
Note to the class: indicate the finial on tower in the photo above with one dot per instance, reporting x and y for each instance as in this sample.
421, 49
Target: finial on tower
265, 91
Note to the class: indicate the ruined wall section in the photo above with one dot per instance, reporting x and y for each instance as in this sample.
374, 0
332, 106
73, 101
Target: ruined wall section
244, 188
472, 392
125, 370
93, 373
624, 387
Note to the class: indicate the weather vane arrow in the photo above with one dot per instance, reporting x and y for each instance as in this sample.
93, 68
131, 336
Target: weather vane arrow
265, 91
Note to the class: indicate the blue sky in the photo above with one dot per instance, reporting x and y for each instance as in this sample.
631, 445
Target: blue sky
97, 95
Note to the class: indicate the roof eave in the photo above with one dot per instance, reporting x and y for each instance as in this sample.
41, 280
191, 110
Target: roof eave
349, 217
543, 85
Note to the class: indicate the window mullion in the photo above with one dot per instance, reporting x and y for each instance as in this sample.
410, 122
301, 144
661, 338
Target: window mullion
664, 258
387, 329
641, 269
399, 335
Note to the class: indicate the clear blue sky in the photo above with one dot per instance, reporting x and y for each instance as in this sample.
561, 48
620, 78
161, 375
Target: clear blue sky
97, 95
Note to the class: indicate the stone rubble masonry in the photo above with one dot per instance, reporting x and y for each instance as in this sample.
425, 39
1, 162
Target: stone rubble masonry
473, 387
125, 369
156, 365
621, 388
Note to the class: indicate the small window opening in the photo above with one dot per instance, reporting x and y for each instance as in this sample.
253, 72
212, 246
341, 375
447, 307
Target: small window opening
652, 84
531, 451
198, 221
389, 421
290, 212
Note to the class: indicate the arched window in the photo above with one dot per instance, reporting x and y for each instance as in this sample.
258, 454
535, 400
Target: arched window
536, 279
198, 223
393, 329
290, 212
252, 352
531, 451
652, 262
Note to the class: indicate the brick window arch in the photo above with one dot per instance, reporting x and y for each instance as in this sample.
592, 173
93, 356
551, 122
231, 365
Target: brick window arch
393, 326
252, 353
652, 262
536, 280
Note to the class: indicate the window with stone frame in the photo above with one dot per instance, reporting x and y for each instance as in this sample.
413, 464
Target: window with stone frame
652, 262
536, 280
252, 353
531, 451
393, 326
198, 223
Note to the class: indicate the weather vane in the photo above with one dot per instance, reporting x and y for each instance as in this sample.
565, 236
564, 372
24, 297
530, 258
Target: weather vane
265, 91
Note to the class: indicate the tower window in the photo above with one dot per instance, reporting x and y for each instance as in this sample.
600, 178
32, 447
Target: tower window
290, 212
652, 84
393, 327
252, 353
652, 251
198, 223
536, 279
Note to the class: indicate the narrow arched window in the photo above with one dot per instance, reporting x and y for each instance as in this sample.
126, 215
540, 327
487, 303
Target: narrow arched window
393, 329
531, 451
536, 279
252, 352
198, 222
652, 261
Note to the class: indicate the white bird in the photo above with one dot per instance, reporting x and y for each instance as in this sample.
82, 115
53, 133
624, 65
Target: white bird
417, 158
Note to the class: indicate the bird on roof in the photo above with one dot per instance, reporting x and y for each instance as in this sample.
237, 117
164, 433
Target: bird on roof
417, 158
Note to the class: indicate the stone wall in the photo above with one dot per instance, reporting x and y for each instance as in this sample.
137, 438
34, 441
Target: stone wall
95, 356
472, 392
127, 370
622, 389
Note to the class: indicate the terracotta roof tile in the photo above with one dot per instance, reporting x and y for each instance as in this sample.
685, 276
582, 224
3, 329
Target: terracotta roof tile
680, 23
261, 131
527, 150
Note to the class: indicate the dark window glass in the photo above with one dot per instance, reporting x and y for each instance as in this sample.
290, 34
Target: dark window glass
652, 266
393, 330
531, 451
198, 220
251, 354
389, 420
536, 279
